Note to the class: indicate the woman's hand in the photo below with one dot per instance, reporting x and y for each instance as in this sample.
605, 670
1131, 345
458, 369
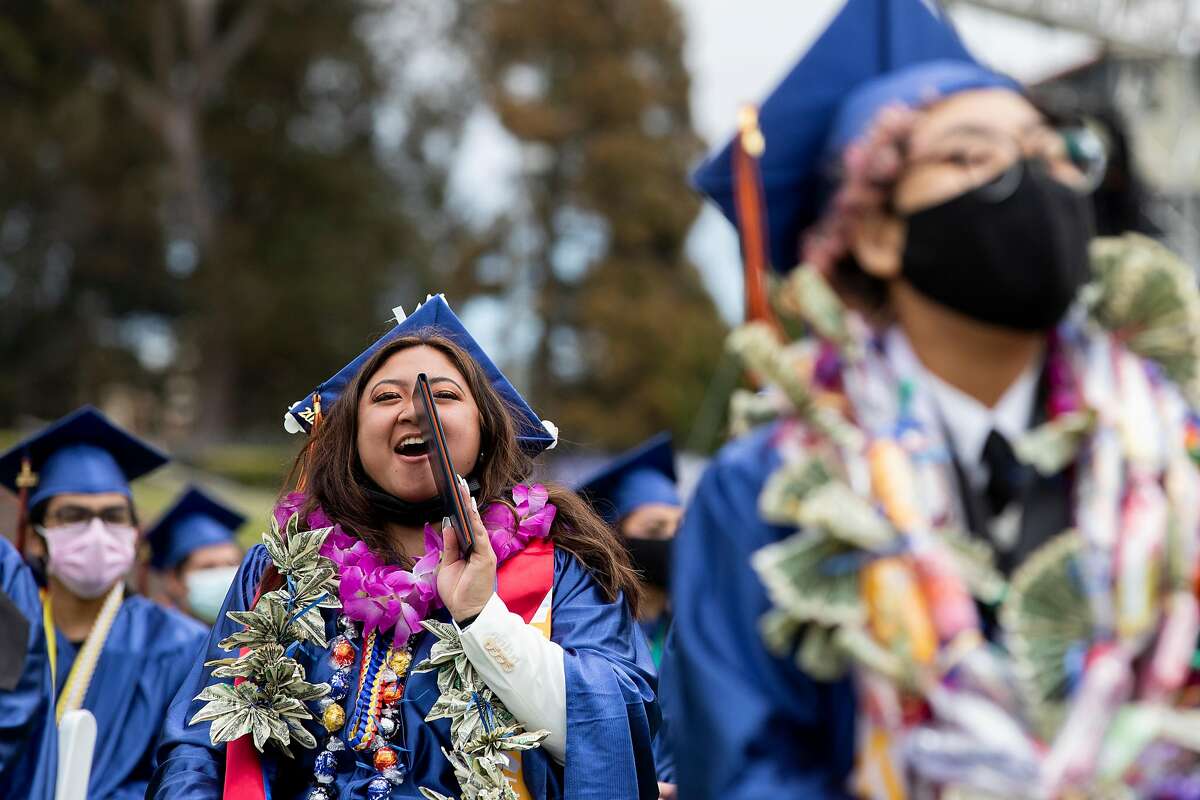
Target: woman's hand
466, 586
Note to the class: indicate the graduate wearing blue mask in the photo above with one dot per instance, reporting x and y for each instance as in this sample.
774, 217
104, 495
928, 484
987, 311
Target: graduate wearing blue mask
120, 656
540, 605
28, 735
194, 549
967, 261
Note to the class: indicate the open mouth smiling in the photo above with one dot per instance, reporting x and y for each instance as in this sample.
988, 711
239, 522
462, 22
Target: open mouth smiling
412, 447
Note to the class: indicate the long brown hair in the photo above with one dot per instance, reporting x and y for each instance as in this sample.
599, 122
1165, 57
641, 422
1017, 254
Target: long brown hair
336, 479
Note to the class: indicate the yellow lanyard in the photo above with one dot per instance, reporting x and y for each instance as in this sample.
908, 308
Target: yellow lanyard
51, 637
80, 677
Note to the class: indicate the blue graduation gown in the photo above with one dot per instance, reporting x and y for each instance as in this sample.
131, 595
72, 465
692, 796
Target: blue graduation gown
611, 710
148, 653
746, 723
28, 735
664, 753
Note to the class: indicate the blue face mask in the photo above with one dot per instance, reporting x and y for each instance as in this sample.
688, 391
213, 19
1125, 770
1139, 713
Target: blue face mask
206, 590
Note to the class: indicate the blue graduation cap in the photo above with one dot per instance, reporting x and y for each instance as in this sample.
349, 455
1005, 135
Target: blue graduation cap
196, 520
533, 434
82, 453
645, 474
875, 53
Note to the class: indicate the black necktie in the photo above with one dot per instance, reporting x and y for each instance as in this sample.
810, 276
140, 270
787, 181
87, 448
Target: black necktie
1006, 475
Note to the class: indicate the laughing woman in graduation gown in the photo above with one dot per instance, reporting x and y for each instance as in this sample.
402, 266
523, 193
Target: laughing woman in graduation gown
116, 654
541, 609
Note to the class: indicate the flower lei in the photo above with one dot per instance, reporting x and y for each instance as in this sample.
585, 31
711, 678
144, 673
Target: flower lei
328, 568
390, 598
1099, 625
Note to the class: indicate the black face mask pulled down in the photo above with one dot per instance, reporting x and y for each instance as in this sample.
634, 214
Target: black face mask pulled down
1016, 262
410, 515
652, 558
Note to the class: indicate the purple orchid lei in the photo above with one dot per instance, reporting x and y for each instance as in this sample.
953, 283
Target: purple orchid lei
385, 597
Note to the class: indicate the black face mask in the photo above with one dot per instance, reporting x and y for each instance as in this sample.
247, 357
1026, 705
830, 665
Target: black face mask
652, 558
410, 515
1010, 256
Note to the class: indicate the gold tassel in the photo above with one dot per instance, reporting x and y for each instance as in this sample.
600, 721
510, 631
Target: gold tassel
26, 480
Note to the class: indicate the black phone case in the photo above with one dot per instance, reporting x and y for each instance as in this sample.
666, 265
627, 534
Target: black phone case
444, 475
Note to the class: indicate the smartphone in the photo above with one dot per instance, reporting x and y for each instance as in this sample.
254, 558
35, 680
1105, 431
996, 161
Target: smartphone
444, 476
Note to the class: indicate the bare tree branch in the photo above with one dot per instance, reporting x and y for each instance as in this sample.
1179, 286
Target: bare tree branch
149, 104
201, 16
222, 56
162, 43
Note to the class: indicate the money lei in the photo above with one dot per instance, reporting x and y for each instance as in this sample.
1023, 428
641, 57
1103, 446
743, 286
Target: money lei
482, 730
812, 577
268, 696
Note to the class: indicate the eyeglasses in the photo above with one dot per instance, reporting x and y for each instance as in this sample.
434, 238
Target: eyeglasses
81, 515
973, 156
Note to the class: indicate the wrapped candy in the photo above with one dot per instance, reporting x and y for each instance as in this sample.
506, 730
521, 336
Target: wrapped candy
954, 758
1171, 659
989, 725
949, 604
1106, 684
1140, 556
893, 484
899, 617
379, 789
1132, 731
1183, 538
978, 668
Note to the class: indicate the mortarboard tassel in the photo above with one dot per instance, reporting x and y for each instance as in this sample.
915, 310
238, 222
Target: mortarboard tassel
748, 198
26, 480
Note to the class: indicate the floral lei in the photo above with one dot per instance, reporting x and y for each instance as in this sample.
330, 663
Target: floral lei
1093, 690
390, 598
328, 568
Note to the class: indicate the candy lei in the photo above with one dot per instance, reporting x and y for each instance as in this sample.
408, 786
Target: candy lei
1099, 625
385, 607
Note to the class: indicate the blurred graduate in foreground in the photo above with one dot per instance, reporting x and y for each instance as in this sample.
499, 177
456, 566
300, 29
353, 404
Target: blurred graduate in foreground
968, 449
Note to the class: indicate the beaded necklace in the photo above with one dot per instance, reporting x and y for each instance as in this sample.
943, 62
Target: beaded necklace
379, 603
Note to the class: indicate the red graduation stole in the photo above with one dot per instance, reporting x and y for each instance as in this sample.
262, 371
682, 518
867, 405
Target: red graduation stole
524, 583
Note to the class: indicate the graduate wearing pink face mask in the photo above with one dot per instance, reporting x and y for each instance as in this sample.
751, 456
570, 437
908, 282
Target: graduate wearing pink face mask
118, 655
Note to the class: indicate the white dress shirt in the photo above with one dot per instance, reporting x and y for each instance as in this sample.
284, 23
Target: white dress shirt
968, 422
523, 668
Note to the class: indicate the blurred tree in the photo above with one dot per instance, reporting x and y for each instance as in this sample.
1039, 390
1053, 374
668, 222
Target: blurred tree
596, 92
197, 199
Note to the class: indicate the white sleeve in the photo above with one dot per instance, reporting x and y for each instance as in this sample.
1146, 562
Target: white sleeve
523, 668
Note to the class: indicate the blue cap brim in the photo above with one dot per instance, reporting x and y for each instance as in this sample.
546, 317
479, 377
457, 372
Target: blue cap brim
645, 474
195, 520
84, 452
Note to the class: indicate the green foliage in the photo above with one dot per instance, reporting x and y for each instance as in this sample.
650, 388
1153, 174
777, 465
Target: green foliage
215, 174
597, 95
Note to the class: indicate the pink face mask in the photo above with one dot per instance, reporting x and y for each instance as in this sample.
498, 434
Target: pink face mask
89, 557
